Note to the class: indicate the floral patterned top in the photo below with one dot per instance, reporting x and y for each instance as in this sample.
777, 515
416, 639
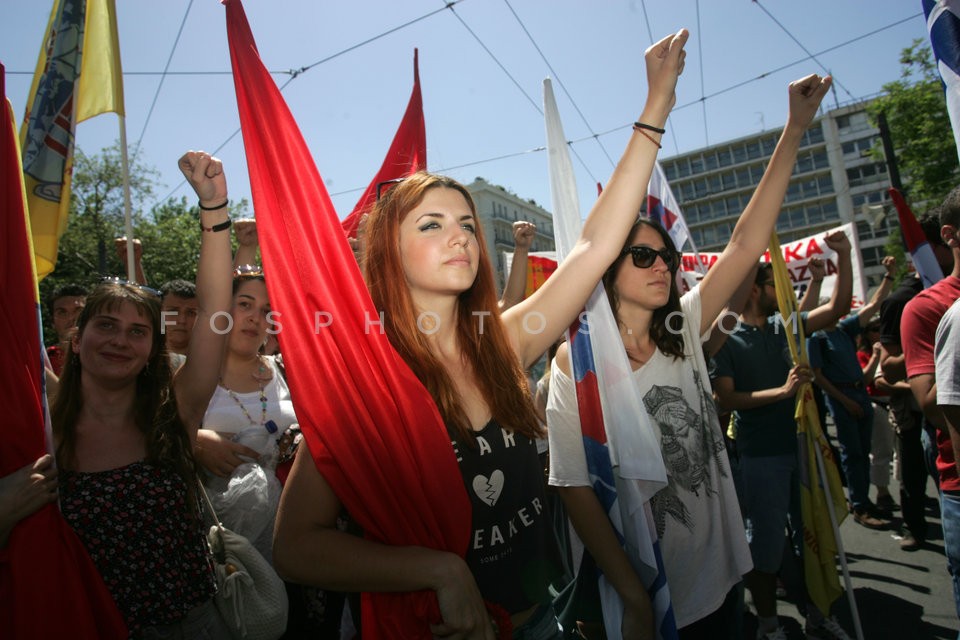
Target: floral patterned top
147, 542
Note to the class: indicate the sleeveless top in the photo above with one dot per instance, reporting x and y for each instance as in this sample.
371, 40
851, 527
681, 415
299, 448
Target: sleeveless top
512, 552
144, 537
224, 414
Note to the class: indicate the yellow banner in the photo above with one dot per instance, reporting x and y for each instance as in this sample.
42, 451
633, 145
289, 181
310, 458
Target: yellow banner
819, 541
79, 36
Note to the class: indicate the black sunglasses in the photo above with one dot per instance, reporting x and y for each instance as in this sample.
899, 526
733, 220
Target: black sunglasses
644, 257
386, 185
121, 281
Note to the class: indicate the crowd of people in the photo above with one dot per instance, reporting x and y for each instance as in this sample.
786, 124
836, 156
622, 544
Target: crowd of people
160, 394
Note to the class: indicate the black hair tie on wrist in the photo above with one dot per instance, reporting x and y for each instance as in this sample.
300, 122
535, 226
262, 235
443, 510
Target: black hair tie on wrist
649, 127
219, 206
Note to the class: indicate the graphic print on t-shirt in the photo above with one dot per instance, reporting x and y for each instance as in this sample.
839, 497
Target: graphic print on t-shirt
688, 443
488, 489
512, 552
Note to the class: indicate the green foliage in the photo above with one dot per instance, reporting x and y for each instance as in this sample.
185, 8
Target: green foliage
169, 231
916, 112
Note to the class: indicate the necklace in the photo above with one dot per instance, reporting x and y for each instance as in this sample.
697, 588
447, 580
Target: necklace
263, 399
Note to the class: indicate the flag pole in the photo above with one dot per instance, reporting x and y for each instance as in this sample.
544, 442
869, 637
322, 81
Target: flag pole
821, 470
127, 216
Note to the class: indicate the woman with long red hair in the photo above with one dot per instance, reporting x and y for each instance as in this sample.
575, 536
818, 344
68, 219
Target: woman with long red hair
429, 274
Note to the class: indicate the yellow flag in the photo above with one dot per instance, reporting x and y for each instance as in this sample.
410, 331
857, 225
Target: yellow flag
101, 77
819, 541
80, 36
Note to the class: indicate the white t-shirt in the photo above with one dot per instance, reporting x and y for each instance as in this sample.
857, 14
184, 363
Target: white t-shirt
697, 515
225, 416
947, 353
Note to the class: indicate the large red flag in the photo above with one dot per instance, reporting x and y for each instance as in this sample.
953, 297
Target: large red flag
49, 586
373, 429
407, 154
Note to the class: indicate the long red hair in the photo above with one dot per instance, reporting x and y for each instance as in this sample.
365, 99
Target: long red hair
495, 364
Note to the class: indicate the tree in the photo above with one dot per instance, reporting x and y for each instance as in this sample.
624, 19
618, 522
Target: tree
169, 231
98, 196
916, 112
894, 247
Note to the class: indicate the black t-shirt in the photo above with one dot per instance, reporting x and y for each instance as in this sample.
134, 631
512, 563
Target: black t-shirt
892, 309
512, 552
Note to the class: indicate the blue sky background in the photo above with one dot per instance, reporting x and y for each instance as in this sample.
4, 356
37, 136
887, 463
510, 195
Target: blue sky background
482, 64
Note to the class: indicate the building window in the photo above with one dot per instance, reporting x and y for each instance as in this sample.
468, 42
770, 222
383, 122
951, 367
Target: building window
826, 184
714, 184
872, 256
797, 217
743, 178
793, 192
814, 134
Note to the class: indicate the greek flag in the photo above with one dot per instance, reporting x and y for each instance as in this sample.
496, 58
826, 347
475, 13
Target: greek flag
664, 208
623, 456
943, 23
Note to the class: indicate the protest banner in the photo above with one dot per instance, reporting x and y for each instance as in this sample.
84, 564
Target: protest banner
796, 254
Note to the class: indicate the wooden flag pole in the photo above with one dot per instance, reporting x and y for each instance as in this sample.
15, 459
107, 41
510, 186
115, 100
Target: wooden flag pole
855, 614
127, 207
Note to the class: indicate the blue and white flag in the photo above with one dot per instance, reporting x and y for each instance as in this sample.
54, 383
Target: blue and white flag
943, 24
623, 456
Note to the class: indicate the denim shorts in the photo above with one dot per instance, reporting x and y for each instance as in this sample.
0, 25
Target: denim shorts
769, 493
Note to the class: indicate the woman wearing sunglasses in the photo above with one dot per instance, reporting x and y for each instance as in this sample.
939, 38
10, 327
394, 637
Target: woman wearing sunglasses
428, 272
698, 519
124, 429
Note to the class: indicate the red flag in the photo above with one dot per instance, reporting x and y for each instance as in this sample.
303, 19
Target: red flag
407, 153
369, 422
49, 586
915, 241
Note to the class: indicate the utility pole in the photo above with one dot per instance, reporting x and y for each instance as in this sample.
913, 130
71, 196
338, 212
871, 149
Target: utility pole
888, 152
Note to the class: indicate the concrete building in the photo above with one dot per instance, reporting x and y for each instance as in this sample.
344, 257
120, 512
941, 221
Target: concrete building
834, 181
498, 209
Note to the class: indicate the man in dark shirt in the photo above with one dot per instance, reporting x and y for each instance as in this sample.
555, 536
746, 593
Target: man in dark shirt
916, 446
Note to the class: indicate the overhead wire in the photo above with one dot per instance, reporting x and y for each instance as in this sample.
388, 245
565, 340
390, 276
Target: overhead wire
836, 82
646, 20
765, 74
163, 76
295, 73
703, 101
448, 4
513, 79
556, 76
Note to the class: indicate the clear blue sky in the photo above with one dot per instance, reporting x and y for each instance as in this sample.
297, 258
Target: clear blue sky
349, 105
